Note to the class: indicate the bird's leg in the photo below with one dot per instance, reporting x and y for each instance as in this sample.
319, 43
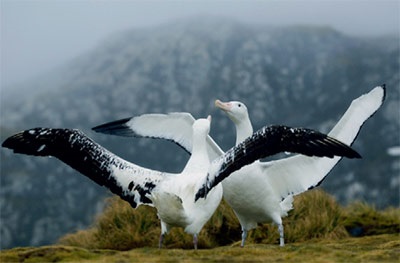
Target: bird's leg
244, 236
195, 241
281, 239
160, 241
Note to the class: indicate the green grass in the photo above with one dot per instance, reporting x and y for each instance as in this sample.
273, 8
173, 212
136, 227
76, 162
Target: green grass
317, 230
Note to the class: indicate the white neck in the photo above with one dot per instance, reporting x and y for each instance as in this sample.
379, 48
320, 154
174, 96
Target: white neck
199, 159
244, 129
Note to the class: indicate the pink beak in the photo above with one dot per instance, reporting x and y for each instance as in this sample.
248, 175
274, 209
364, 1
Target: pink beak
225, 106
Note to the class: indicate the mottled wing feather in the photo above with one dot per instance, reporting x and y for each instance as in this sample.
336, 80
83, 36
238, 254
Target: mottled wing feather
131, 182
269, 141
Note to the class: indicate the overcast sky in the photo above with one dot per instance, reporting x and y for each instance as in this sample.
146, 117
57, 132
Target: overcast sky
38, 35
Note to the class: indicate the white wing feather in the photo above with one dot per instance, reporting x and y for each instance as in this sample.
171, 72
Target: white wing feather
176, 127
294, 175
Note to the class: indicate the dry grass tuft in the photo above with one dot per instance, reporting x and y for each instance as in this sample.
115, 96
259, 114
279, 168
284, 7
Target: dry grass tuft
119, 227
316, 215
362, 219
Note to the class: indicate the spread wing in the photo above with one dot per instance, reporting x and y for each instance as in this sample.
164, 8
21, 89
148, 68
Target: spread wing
131, 182
268, 141
176, 127
296, 174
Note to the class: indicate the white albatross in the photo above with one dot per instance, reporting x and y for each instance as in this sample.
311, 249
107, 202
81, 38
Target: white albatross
263, 191
178, 198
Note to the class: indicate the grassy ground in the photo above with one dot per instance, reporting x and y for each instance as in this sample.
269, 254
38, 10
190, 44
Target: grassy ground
317, 230
315, 215
378, 248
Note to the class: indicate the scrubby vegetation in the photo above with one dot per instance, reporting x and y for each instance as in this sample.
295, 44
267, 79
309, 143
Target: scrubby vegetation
316, 215
317, 230
361, 219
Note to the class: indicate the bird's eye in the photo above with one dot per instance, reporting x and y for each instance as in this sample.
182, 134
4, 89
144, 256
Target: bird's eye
239, 105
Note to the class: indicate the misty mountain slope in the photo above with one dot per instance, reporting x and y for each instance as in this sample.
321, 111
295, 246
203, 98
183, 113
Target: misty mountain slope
299, 76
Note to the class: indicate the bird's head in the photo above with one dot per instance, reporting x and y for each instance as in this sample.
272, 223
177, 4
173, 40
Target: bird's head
236, 110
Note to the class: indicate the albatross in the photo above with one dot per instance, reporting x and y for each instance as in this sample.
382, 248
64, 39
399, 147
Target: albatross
187, 199
263, 191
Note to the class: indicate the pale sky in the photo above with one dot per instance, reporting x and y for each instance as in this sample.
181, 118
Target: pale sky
38, 35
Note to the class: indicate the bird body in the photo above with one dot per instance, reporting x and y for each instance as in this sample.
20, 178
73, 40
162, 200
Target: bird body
187, 199
289, 176
247, 204
173, 195
177, 196
263, 191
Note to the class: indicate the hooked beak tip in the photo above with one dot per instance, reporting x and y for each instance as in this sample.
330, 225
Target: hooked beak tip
222, 105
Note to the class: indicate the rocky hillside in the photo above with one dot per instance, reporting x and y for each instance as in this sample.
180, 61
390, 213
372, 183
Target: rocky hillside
300, 76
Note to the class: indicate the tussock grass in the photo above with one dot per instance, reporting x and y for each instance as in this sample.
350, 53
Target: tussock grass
316, 215
362, 219
119, 227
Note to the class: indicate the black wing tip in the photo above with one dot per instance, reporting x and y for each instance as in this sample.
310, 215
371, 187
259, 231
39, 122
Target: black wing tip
383, 86
36, 141
341, 149
112, 127
315, 143
16, 139
9, 142
354, 155
20, 143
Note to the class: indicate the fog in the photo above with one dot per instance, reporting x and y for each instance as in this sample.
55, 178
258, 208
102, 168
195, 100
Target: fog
37, 36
